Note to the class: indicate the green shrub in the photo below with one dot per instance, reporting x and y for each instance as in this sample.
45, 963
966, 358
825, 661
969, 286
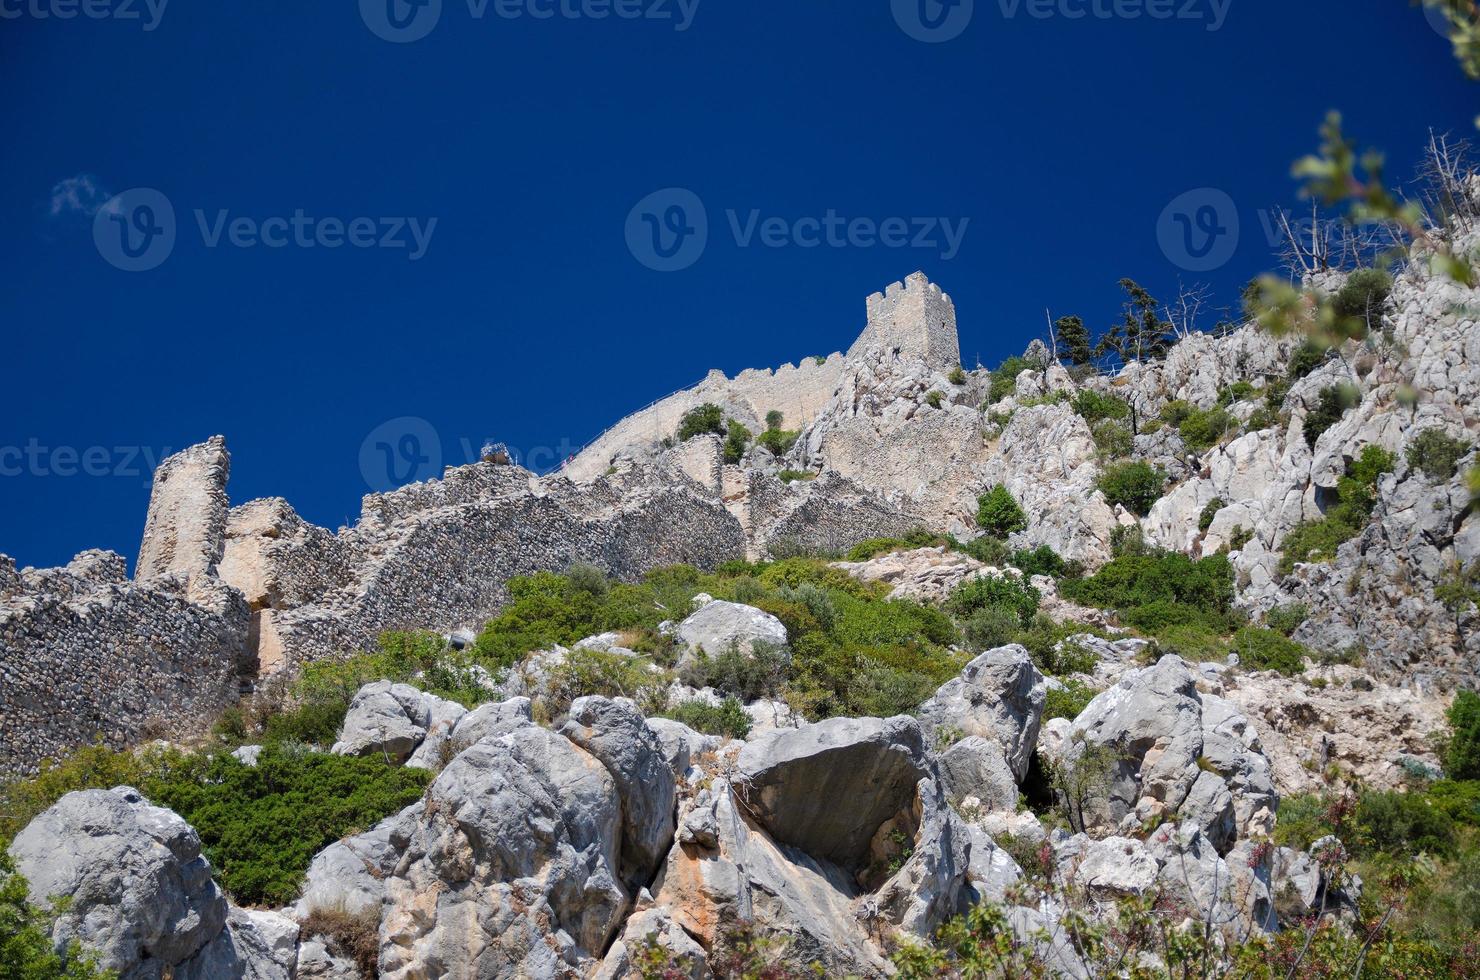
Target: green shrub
1048, 643
792, 476
1288, 618
1095, 407
1462, 751
1195, 642
992, 626
774, 420
1042, 560
261, 825
1315, 541
1174, 413
26, 949
1331, 404
873, 547
1113, 440
1437, 454
737, 440
1067, 701
1262, 649
1304, 818
957, 376
597, 673
728, 718
1159, 589
934, 398
1132, 484
999, 514
707, 419
1360, 301
1403, 822
1202, 430
1237, 392
588, 578
1004, 378
1303, 360
751, 676
988, 590
985, 549
1205, 519
778, 441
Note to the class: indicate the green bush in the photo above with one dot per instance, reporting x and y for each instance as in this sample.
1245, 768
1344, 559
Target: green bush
778, 441
986, 591
1331, 404
934, 398
1202, 430
1132, 484
1315, 541
957, 376
737, 440
1174, 413
1205, 519
873, 547
1159, 589
1360, 301
26, 949
1262, 649
1048, 644
1303, 360
792, 476
1237, 392
999, 514
1095, 407
1404, 823
1113, 440
707, 419
992, 626
1004, 378
1437, 454
1462, 751
597, 673
728, 718
774, 420
1288, 618
1042, 560
751, 676
1067, 701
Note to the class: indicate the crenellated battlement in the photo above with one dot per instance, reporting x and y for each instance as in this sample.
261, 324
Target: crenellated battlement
915, 317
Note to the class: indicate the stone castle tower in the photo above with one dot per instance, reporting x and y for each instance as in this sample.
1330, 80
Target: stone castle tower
915, 318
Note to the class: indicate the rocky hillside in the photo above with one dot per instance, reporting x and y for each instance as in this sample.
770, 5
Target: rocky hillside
1034, 670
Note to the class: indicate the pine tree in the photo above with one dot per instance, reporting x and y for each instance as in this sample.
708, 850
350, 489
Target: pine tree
1074, 340
1141, 333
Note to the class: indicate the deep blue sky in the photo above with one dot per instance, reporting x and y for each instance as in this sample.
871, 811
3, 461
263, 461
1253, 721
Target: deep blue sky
529, 141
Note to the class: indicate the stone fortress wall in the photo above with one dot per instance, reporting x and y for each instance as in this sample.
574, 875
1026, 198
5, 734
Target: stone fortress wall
224, 595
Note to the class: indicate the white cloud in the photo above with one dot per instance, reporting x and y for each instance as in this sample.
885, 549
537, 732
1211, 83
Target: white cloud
83, 194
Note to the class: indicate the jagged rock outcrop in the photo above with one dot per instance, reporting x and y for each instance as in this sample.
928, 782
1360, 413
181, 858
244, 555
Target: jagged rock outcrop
718, 627
398, 721
1167, 749
137, 893
999, 696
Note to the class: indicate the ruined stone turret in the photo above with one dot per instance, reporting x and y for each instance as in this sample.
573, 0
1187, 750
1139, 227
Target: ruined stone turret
914, 318
186, 528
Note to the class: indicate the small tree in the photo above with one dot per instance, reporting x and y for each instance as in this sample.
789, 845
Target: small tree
1141, 334
999, 514
1074, 341
1132, 484
774, 420
737, 440
707, 419
1462, 753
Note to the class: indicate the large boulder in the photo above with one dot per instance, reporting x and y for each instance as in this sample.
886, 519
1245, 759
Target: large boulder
255, 945
656, 927
1166, 748
134, 888
998, 696
395, 720
614, 732
718, 627
511, 866
827, 788
976, 767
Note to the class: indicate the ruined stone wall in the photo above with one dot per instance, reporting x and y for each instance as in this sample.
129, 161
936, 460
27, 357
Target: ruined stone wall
186, 527
87, 656
799, 391
829, 514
